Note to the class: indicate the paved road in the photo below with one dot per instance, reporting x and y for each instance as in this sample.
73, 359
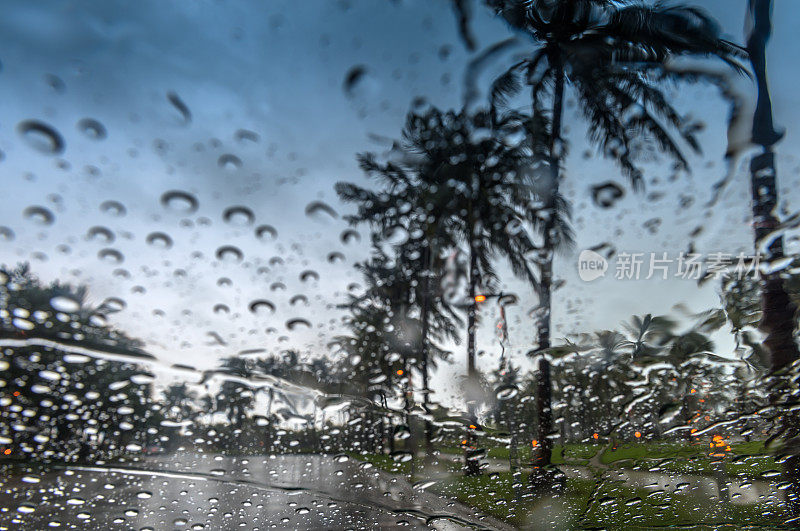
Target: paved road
185, 491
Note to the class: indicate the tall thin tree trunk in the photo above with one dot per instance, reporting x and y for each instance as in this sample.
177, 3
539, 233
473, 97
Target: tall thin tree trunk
778, 311
428, 258
542, 452
471, 465
270, 427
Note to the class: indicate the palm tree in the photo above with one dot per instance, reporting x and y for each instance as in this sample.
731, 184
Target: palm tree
459, 186
236, 398
386, 335
778, 311
613, 55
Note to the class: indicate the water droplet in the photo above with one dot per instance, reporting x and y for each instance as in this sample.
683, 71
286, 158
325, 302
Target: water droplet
607, 194
65, 304
298, 298
239, 215
160, 240
113, 304
229, 162
309, 274
39, 215
230, 253
41, 136
335, 257
92, 128
507, 392
264, 231
111, 256
352, 79
316, 209
179, 201
178, 103
113, 208
401, 456
257, 305
101, 233
291, 324
245, 134
396, 235
55, 83
422, 485
349, 235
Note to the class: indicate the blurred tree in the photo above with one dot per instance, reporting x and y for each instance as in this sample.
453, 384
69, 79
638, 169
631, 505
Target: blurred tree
72, 382
615, 57
459, 185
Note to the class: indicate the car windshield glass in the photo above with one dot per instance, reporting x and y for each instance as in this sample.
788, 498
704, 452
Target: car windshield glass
355, 264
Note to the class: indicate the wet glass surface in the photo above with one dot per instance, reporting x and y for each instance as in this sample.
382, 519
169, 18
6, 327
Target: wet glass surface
352, 264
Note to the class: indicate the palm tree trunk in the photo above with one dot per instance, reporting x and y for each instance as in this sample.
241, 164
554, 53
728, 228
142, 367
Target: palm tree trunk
425, 351
471, 465
543, 450
778, 311
270, 427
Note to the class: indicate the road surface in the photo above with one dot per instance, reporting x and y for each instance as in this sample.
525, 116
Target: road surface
186, 491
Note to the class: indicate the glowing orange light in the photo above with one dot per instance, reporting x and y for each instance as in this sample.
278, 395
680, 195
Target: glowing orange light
693, 430
480, 298
534, 443
7, 451
702, 400
464, 442
16, 393
637, 434
693, 391
399, 372
473, 427
596, 435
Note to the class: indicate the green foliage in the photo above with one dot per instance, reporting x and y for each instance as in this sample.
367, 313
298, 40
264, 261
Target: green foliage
63, 405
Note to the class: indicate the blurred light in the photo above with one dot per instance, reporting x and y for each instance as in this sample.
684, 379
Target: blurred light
480, 298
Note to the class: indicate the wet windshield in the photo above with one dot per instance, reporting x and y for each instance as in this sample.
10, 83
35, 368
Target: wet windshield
346, 264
